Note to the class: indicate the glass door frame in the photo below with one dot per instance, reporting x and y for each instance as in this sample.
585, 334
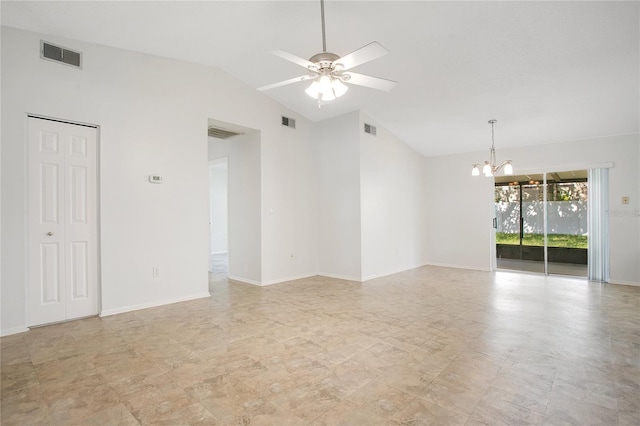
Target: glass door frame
544, 186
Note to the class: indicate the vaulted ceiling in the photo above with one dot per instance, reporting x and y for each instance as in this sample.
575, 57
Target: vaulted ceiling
547, 71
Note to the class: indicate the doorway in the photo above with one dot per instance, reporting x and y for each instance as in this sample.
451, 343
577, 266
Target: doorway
218, 217
541, 222
63, 221
234, 151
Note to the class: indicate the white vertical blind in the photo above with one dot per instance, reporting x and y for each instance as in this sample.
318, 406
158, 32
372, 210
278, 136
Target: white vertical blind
598, 224
545, 215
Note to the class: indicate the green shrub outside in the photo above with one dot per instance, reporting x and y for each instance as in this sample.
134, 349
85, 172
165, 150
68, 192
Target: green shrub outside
553, 240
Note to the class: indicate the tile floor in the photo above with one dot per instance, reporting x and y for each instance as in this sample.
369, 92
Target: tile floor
538, 267
427, 346
219, 263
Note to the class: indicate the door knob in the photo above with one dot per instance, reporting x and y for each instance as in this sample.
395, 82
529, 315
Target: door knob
49, 233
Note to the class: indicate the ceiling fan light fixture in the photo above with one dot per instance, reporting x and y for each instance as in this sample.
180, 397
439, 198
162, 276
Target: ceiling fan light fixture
339, 88
313, 90
326, 69
326, 88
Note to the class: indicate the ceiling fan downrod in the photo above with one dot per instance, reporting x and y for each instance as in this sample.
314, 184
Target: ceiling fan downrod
324, 38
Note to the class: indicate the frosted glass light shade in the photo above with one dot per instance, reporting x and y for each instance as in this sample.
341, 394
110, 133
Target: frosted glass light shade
475, 171
326, 89
508, 168
313, 90
339, 88
486, 169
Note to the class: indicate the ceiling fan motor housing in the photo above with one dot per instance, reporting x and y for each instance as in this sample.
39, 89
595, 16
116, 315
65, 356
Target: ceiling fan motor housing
324, 60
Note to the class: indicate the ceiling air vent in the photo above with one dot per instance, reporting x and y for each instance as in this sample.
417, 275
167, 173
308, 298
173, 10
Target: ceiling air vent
368, 128
220, 133
289, 122
60, 54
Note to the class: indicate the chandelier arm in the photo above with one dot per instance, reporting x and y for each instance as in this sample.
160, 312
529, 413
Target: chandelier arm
504, 163
490, 168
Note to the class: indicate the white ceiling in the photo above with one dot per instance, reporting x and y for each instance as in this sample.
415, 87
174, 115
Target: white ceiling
547, 71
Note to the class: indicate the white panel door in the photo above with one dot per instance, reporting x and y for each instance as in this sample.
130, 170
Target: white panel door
63, 273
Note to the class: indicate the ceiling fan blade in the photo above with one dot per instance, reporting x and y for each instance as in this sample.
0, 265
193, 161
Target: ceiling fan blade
372, 82
293, 58
284, 83
371, 51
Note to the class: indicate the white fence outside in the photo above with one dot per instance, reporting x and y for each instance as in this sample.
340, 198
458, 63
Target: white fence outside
564, 217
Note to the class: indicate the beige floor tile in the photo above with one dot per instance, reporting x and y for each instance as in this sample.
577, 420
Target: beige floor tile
423, 412
232, 402
307, 401
116, 414
73, 404
519, 394
628, 406
497, 411
602, 394
454, 394
158, 403
347, 414
380, 398
406, 379
427, 346
24, 407
140, 383
15, 377
576, 412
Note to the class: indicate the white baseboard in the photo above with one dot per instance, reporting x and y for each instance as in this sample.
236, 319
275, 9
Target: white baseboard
244, 280
284, 280
621, 282
108, 312
14, 330
386, 274
340, 277
270, 282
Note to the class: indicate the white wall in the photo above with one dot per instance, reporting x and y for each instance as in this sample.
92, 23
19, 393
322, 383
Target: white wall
153, 113
391, 191
370, 200
459, 229
289, 205
624, 180
458, 214
218, 207
337, 164
243, 154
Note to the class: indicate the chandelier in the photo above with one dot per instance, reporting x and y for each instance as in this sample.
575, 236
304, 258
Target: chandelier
489, 168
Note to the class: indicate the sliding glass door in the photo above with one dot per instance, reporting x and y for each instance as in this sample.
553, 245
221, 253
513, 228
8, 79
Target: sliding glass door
541, 222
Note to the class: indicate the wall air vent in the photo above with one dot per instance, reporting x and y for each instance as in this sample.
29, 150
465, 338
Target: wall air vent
368, 128
220, 133
289, 122
60, 54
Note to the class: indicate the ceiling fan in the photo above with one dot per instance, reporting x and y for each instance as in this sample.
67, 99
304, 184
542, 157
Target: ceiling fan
329, 71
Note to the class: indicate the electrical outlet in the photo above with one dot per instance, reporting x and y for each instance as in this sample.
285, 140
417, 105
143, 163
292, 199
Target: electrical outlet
156, 272
625, 200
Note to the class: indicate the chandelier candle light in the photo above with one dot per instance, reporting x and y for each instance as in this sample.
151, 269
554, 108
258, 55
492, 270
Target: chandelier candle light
489, 169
